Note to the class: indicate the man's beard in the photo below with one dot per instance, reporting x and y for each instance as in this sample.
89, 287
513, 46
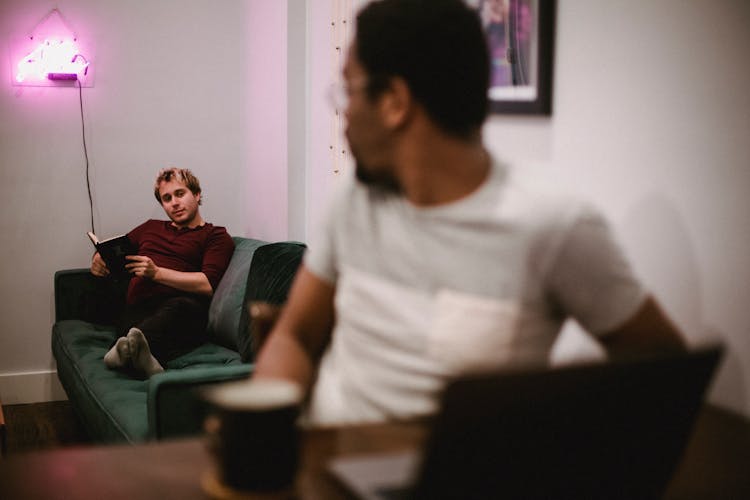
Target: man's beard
381, 179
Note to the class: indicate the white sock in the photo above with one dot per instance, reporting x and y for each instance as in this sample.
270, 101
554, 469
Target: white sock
140, 353
119, 355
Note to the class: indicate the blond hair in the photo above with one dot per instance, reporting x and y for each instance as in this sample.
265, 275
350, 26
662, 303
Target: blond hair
179, 174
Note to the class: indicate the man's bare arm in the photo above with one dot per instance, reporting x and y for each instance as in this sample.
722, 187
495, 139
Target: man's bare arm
301, 333
649, 330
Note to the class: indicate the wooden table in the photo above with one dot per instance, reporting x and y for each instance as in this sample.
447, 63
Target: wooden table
715, 465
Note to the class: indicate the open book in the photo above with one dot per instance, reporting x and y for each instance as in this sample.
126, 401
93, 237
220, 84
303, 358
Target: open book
113, 251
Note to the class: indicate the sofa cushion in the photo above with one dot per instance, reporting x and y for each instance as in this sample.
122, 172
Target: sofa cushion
111, 404
269, 278
227, 301
204, 356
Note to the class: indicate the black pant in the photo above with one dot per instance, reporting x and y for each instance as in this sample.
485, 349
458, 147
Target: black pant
172, 325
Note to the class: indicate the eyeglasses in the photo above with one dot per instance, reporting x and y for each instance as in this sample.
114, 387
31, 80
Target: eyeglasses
340, 93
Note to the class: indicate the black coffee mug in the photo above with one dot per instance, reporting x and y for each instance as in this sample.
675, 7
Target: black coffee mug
252, 431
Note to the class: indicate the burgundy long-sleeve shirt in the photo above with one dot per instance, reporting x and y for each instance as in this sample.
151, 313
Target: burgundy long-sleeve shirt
205, 249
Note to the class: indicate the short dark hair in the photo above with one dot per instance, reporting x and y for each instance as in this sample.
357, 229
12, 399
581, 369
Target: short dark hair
439, 49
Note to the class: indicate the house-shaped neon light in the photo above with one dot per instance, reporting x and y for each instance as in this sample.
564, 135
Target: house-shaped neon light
53, 58
49, 52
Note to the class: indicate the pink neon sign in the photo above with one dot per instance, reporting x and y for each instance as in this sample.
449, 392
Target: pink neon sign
53, 58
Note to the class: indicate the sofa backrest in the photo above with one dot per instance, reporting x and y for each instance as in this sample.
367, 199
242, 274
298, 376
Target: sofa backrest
80, 295
269, 279
273, 264
226, 303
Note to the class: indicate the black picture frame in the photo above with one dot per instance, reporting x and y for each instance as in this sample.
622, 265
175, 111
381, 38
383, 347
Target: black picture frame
521, 53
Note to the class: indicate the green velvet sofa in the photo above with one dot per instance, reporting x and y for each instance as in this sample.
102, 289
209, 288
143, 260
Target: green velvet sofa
114, 407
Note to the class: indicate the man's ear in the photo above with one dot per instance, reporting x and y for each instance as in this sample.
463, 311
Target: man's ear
397, 103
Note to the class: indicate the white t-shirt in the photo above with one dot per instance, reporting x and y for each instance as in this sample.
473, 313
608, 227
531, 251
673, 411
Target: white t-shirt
425, 294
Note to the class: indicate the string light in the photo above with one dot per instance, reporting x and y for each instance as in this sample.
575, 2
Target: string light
340, 34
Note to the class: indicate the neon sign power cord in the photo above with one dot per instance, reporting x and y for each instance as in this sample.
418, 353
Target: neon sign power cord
86, 154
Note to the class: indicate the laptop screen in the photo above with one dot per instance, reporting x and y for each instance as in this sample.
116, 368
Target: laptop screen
599, 430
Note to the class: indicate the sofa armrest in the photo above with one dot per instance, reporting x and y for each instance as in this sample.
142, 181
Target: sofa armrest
81, 295
174, 405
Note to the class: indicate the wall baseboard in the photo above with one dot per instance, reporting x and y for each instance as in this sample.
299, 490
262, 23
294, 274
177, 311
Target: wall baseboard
30, 387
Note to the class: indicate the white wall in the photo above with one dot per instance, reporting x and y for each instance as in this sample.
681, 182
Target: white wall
266, 143
275, 110
651, 121
651, 118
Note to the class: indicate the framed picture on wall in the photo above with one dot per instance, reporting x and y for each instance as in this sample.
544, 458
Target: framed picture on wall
520, 38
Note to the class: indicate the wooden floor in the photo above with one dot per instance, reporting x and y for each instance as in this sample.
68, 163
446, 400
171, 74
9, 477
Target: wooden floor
42, 426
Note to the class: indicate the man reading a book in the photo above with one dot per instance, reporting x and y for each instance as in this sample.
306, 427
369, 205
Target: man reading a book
177, 267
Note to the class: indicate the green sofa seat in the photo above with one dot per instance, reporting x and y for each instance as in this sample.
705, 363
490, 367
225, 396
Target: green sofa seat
115, 407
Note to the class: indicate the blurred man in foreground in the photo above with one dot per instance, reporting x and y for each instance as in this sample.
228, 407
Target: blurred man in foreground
434, 261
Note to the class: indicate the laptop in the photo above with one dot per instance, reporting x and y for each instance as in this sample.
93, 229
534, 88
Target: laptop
612, 429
